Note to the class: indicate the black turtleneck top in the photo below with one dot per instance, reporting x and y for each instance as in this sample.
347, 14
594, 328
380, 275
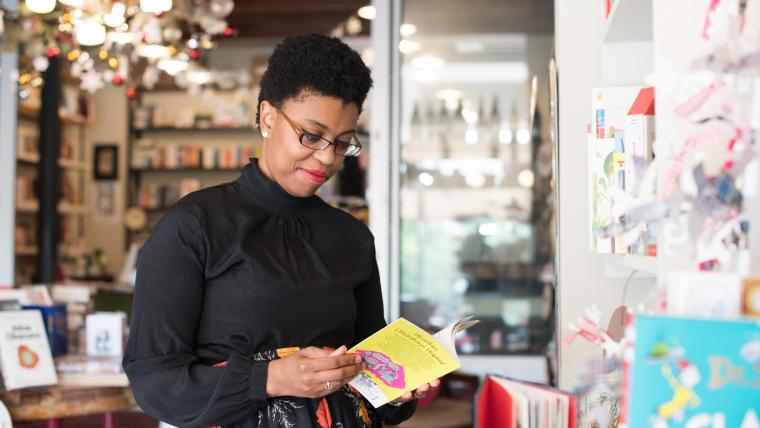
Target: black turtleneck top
239, 269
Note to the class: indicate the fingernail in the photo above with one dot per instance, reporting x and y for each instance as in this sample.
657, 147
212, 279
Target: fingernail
358, 359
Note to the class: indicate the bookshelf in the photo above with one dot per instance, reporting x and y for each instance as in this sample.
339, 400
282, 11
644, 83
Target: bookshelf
73, 166
173, 151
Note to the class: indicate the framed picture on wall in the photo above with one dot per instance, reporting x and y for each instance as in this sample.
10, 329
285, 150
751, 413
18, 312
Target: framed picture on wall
106, 162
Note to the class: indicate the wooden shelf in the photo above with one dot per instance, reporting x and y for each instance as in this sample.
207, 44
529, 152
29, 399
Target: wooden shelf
628, 21
27, 206
139, 170
193, 129
67, 208
34, 159
31, 158
63, 207
31, 113
27, 251
72, 164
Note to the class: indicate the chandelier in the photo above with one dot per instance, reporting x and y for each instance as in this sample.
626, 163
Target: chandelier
124, 43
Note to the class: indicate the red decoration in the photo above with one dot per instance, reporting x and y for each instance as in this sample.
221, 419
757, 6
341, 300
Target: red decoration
53, 51
194, 54
229, 32
131, 93
118, 80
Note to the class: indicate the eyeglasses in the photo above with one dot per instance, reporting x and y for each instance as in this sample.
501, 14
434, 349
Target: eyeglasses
316, 142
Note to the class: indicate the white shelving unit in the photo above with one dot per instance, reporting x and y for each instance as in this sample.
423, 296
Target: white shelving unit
629, 21
627, 48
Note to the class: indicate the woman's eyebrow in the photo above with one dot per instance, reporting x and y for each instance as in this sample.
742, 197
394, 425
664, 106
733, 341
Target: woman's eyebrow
326, 128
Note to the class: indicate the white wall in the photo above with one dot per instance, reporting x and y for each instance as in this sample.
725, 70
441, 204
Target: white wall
582, 280
109, 127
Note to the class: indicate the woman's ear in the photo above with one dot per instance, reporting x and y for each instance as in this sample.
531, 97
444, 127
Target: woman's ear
266, 117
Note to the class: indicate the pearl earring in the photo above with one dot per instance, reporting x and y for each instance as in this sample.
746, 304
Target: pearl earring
265, 134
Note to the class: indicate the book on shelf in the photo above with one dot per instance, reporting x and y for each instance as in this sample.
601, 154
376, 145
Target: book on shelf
401, 357
24, 350
147, 155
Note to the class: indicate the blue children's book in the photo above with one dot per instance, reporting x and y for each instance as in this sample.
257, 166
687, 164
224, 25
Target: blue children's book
695, 373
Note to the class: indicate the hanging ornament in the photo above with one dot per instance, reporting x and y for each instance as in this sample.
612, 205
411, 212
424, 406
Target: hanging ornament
73, 3
117, 80
40, 63
53, 51
116, 16
91, 81
213, 25
131, 93
156, 7
229, 32
194, 54
113, 63
103, 54
172, 34
90, 33
150, 76
221, 8
152, 31
172, 66
40, 6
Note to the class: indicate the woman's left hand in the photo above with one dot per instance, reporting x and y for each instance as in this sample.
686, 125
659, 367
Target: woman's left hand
418, 393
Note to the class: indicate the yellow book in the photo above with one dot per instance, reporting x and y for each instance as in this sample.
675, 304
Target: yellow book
402, 356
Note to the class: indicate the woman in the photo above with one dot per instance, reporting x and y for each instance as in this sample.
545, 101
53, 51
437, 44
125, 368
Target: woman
237, 275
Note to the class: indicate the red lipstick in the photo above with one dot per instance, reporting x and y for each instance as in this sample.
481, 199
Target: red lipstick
315, 176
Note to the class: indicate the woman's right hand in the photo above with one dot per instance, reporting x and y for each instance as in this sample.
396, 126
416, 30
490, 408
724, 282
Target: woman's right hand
312, 372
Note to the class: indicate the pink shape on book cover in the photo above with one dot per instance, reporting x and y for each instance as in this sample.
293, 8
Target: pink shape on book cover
381, 365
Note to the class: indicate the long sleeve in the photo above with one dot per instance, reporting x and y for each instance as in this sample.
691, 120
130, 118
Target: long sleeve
369, 319
168, 378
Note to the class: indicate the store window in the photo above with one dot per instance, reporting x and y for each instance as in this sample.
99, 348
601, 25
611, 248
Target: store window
475, 169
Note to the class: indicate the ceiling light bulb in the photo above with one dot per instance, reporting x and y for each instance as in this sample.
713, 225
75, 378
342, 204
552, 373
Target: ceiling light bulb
155, 6
116, 16
367, 12
122, 37
505, 136
90, 33
73, 3
426, 179
408, 46
526, 178
40, 6
172, 66
407, 30
475, 179
523, 136
201, 77
153, 51
427, 62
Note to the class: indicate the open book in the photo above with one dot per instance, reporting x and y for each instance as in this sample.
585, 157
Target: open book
402, 356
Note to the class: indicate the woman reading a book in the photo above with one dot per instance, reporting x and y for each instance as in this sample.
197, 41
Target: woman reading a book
249, 293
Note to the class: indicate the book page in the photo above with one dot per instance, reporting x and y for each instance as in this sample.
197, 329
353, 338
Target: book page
400, 358
446, 336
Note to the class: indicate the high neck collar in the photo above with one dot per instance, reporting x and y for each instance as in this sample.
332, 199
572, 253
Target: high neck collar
271, 195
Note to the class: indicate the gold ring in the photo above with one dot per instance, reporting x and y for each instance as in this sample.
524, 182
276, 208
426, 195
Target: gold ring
328, 385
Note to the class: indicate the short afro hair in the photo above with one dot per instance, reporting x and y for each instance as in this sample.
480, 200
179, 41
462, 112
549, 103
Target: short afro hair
324, 65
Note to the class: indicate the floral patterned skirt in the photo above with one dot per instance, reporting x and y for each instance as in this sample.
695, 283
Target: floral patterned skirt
345, 408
